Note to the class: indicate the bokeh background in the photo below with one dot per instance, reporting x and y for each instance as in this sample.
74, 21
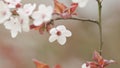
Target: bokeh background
18, 52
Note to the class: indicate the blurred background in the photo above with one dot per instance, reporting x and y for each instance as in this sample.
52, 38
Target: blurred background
18, 52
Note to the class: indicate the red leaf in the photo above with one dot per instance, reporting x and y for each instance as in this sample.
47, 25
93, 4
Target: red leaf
92, 64
41, 28
73, 8
63, 11
40, 64
97, 56
59, 7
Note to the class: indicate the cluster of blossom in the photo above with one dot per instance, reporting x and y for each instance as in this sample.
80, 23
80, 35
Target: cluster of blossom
98, 63
16, 17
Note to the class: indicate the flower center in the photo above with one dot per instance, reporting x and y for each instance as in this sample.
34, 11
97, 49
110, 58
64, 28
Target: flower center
43, 16
4, 13
58, 33
18, 5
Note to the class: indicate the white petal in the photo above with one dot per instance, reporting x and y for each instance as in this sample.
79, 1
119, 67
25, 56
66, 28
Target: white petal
49, 10
85, 66
37, 22
53, 31
67, 33
75, 1
4, 12
61, 40
83, 3
28, 8
7, 25
42, 6
61, 28
52, 38
47, 18
25, 27
14, 34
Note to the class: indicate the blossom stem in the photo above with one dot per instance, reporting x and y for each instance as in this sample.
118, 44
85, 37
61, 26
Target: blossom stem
79, 19
100, 25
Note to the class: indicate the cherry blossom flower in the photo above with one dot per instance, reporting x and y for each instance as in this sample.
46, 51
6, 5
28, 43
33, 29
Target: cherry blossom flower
98, 63
24, 21
14, 26
17, 24
82, 3
13, 3
27, 9
4, 12
59, 33
24, 14
44, 14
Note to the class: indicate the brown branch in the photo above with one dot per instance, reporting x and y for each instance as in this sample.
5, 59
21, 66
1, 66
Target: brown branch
79, 19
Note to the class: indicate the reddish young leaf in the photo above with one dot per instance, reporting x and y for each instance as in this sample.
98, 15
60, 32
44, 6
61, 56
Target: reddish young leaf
42, 27
72, 8
59, 7
92, 64
97, 57
40, 64
63, 11
99, 61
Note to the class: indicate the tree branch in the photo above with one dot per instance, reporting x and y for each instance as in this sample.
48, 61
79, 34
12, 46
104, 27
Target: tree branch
79, 19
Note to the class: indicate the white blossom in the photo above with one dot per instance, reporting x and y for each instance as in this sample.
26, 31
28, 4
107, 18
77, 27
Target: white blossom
82, 3
17, 24
13, 3
14, 26
85, 66
4, 12
27, 9
24, 21
44, 14
59, 33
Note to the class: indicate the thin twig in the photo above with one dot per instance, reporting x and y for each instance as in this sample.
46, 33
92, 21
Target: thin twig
79, 19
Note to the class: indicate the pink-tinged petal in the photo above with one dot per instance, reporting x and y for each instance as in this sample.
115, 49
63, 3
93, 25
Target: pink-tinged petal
67, 33
53, 31
14, 33
52, 38
61, 28
61, 40
107, 62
